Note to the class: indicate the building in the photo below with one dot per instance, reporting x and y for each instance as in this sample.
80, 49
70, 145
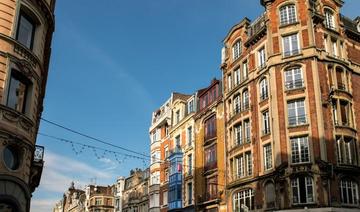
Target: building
291, 108
136, 191
159, 136
209, 149
99, 198
26, 29
73, 201
118, 193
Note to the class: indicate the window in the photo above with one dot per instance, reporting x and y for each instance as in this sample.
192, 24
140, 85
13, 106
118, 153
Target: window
349, 192
189, 189
155, 157
210, 158
26, 30
210, 128
300, 150
291, 45
329, 19
266, 123
166, 151
334, 48
345, 113
270, 195
97, 201
240, 170
211, 188
237, 107
177, 141
245, 70
287, 14
249, 164
246, 104
189, 159
18, 91
293, 78
247, 130
189, 135
264, 94
236, 50
261, 57
296, 112
237, 76
244, 200
191, 106
165, 197
229, 82
267, 157
302, 189
177, 116
11, 157
238, 134
346, 151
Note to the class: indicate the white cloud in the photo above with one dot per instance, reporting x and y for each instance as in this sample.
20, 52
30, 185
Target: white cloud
59, 171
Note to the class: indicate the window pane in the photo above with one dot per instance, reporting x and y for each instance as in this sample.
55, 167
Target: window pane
25, 32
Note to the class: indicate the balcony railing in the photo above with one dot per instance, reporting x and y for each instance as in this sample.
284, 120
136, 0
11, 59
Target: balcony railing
294, 84
39, 153
291, 52
257, 26
264, 96
210, 166
297, 120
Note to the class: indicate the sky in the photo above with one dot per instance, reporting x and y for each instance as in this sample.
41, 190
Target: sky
113, 63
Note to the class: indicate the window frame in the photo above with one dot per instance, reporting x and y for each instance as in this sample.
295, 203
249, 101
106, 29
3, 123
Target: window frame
19, 77
350, 186
287, 14
300, 150
268, 161
264, 89
329, 21
237, 49
292, 51
294, 83
298, 119
297, 186
34, 26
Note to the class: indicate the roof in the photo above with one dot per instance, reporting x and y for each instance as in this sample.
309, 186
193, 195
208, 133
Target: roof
180, 96
350, 24
244, 22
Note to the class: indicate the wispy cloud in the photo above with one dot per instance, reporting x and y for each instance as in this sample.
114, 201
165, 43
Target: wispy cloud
60, 171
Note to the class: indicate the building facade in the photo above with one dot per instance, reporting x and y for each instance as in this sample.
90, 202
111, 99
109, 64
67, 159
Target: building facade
209, 150
136, 192
118, 193
99, 198
291, 108
26, 29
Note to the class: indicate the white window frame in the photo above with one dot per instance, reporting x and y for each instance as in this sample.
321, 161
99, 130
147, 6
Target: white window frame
246, 99
238, 134
261, 57
266, 122
300, 147
329, 19
349, 186
267, 149
299, 118
237, 103
296, 184
264, 89
292, 83
237, 76
245, 70
247, 128
237, 49
229, 78
293, 50
288, 14
241, 196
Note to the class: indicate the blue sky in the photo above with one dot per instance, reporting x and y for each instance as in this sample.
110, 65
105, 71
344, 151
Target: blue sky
113, 63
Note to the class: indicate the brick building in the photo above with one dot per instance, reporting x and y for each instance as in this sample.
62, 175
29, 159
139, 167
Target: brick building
291, 108
26, 29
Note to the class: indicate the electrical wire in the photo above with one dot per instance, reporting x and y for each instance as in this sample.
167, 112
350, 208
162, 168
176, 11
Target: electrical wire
93, 138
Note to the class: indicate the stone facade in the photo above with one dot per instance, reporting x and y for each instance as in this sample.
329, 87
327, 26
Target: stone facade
291, 108
136, 191
26, 29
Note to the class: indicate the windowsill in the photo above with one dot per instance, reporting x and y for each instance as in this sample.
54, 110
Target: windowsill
295, 89
298, 125
263, 100
291, 56
302, 204
265, 134
289, 24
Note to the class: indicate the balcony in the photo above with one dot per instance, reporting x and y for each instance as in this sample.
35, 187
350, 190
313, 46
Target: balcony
256, 30
297, 120
294, 84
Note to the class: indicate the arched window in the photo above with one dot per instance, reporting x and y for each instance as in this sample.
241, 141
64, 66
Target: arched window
237, 104
246, 101
236, 49
264, 94
293, 78
349, 192
270, 195
329, 19
244, 200
288, 14
302, 190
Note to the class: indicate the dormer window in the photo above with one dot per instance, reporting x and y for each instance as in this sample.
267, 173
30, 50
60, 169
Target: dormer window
236, 50
26, 30
329, 19
287, 14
